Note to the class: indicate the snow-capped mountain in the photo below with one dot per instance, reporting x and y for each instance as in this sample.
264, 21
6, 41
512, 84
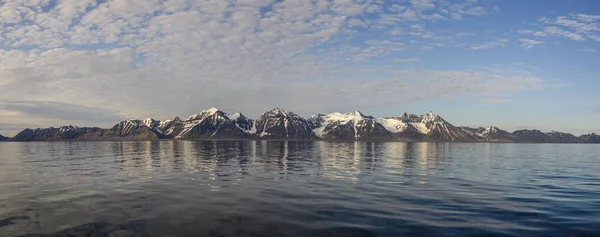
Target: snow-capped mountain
348, 126
278, 123
210, 123
429, 126
213, 123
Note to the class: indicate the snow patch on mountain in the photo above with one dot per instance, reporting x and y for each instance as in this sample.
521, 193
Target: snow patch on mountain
354, 125
393, 125
203, 114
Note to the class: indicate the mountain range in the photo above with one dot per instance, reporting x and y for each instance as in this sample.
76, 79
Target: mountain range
280, 124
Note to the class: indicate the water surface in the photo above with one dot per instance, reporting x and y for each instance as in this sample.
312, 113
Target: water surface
274, 188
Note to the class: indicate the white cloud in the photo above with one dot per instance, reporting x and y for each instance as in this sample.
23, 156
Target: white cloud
529, 43
490, 45
589, 50
407, 60
423, 4
553, 30
578, 27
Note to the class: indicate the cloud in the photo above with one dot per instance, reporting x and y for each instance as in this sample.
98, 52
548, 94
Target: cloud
529, 43
490, 45
60, 111
578, 27
91, 62
423, 4
407, 60
17, 115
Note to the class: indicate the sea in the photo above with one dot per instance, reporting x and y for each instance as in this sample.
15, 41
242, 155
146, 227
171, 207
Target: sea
298, 188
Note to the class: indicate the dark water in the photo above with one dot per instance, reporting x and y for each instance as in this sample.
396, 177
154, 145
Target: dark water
267, 188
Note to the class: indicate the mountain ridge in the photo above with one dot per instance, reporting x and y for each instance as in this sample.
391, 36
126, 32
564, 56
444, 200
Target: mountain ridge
279, 124
3, 138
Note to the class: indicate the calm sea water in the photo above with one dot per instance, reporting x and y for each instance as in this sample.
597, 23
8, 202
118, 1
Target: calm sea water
271, 188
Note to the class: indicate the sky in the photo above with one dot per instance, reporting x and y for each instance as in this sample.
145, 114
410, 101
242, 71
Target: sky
508, 63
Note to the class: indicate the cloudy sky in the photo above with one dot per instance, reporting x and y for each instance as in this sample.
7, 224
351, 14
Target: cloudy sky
510, 63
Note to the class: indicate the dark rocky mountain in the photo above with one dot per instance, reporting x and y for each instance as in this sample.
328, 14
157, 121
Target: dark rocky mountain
280, 124
3, 138
56, 134
491, 134
592, 138
534, 135
537, 136
348, 126
561, 137
210, 123
126, 130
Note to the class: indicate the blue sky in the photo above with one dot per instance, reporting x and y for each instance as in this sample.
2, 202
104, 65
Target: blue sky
511, 64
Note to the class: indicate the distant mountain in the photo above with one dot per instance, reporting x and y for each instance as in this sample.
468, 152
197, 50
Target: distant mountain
592, 138
561, 137
56, 134
348, 126
3, 138
277, 123
491, 134
280, 124
534, 135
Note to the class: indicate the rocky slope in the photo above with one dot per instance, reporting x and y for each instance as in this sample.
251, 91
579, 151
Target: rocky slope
280, 124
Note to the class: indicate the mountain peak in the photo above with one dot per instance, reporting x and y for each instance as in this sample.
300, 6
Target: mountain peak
203, 114
67, 128
211, 110
278, 111
356, 113
431, 114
